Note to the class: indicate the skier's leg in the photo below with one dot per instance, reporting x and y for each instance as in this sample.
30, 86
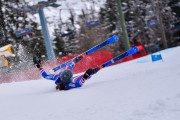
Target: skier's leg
77, 59
90, 72
78, 81
69, 65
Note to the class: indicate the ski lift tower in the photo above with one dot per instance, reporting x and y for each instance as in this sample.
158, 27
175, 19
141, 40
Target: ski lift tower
45, 31
38, 8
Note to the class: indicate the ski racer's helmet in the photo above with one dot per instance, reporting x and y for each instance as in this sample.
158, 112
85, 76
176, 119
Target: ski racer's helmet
66, 76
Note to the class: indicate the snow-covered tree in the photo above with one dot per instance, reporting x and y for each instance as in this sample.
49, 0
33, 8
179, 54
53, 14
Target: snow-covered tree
91, 30
14, 19
66, 41
59, 44
108, 16
151, 20
175, 6
110, 22
175, 36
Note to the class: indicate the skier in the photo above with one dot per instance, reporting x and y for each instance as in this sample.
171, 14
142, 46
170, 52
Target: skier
65, 79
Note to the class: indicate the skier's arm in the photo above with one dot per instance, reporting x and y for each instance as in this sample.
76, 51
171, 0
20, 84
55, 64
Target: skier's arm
38, 64
48, 76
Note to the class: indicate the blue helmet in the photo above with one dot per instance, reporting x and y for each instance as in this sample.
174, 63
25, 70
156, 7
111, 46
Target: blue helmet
66, 76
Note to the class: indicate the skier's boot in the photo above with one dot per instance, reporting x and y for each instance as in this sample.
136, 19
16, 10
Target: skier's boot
37, 62
90, 72
77, 59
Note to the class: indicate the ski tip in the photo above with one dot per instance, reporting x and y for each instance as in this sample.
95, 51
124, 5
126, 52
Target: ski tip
140, 47
115, 37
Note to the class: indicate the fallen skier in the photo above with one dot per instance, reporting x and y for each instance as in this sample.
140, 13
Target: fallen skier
64, 80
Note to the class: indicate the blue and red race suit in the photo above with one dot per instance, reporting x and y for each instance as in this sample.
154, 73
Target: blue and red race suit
76, 81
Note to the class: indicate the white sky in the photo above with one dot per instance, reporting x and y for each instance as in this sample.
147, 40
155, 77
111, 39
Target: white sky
135, 90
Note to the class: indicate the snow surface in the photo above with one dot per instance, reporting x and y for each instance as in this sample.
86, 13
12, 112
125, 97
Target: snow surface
135, 90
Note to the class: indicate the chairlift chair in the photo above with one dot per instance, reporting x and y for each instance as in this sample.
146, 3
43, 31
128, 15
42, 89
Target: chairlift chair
92, 23
23, 32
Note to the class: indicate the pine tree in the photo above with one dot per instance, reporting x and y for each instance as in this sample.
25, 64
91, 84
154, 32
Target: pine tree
109, 19
59, 44
91, 34
138, 13
135, 14
65, 40
71, 41
174, 4
13, 19
108, 16
175, 36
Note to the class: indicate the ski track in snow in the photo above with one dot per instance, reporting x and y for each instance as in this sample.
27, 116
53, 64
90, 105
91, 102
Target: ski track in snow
129, 91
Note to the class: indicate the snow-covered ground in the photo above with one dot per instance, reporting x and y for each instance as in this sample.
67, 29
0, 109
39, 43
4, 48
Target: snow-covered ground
135, 90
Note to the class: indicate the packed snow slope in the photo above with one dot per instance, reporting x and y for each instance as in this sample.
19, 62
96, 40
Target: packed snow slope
135, 90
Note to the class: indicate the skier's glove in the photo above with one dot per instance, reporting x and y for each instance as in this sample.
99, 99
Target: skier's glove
95, 70
37, 62
61, 86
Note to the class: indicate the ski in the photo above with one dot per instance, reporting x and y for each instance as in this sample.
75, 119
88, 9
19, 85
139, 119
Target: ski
104, 43
108, 41
121, 56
